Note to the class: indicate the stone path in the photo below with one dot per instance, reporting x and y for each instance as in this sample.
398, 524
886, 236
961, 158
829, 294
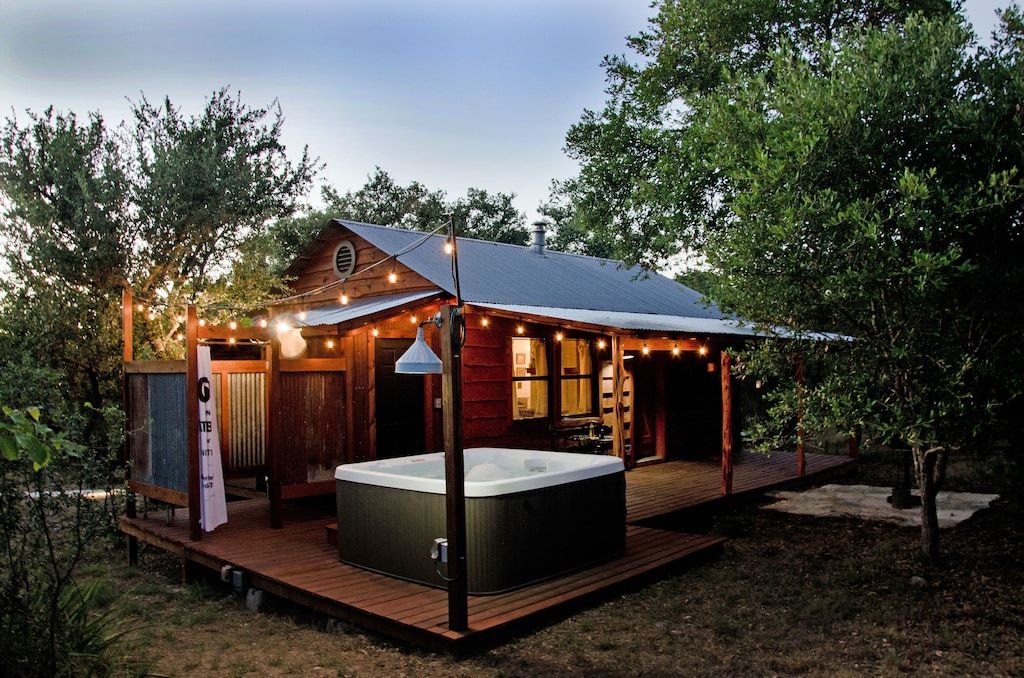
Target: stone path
865, 501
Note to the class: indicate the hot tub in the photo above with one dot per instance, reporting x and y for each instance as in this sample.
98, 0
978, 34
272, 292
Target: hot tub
530, 515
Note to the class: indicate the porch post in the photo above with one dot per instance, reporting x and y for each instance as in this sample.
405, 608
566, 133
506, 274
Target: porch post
126, 330
274, 433
619, 443
801, 458
454, 468
727, 438
192, 422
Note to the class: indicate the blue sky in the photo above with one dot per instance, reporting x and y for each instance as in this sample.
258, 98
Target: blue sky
450, 93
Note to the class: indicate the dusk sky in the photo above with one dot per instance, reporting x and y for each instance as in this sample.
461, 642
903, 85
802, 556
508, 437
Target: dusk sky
451, 93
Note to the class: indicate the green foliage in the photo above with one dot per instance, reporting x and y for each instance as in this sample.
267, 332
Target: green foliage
383, 202
176, 207
649, 178
853, 171
48, 526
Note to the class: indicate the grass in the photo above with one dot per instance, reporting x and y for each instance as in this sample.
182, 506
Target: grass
792, 595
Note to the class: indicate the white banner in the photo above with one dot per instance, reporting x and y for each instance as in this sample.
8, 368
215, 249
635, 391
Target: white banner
212, 503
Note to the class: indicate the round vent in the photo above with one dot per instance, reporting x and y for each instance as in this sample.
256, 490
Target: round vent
345, 259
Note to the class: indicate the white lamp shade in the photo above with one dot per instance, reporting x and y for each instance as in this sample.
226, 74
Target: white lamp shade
419, 359
292, 343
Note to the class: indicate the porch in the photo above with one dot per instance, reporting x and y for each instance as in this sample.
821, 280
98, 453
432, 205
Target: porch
297, 563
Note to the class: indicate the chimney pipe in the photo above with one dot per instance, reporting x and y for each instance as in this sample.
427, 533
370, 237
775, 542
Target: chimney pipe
539, 245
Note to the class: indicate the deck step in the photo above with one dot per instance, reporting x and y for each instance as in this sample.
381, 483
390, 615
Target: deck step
332, 534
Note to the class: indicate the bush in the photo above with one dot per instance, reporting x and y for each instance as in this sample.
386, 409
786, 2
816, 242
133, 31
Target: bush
48, 525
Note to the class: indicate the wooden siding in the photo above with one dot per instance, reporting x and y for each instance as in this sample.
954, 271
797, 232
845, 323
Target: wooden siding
313, 425
318, 271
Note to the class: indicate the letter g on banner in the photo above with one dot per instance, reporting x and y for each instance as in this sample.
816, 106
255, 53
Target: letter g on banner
204, 390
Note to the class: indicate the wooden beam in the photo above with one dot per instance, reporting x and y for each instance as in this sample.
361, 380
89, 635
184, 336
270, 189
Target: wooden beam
126, 323
727, 434
192, 423
454, 470
661, 344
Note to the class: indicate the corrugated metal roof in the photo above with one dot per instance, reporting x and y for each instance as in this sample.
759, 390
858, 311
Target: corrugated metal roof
650, 322
497, 273
362, 307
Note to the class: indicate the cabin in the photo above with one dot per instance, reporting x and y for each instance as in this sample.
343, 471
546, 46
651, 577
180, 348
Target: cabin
562, 351
557, 352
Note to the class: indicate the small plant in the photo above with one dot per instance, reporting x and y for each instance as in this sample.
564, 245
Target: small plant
47, 527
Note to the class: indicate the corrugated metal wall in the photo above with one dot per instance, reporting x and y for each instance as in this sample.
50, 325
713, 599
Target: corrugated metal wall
156, 429
247, 420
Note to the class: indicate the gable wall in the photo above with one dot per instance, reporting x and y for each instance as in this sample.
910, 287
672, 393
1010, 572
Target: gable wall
318, 271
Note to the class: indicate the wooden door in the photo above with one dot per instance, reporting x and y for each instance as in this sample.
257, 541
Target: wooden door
398, 403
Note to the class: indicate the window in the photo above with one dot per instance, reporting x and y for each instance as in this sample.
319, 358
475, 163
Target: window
576, 377
529, 378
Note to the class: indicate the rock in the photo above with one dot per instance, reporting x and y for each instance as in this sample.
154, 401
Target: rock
918, 581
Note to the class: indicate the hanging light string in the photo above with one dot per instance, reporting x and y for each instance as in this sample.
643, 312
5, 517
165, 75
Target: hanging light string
142, 304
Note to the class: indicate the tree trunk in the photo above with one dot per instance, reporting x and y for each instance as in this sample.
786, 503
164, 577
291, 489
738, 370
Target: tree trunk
930, 467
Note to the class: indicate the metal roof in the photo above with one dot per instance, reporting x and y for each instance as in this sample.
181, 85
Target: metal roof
498, 273
361, 307
650, 322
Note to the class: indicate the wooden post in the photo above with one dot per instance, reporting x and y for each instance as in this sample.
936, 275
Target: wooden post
126, 330
192, 423
275, 440
618, 377
801, 457
727, 437
454, 469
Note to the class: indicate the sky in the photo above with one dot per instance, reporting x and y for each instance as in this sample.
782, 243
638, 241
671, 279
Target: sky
450, 93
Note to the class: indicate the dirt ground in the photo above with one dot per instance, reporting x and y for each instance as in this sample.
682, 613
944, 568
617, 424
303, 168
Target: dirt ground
792, 595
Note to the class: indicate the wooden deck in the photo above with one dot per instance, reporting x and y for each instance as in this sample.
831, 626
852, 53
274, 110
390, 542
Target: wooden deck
298, 564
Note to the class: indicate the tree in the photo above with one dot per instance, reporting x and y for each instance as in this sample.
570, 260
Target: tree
647, 180
383, 202
864, 183
569, 234
876, 194
163, 205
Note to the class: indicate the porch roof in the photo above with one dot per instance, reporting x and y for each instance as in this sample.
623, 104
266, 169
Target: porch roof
622, 320
364, 308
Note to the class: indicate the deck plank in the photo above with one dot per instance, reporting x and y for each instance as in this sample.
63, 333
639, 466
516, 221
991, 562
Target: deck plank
298, 563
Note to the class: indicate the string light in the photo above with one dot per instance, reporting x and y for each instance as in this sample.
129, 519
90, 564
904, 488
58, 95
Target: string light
344, 297
392, 278
703, 350
485, 321
202, 322
233, 325
330, 343
231, 340
413, 320
646, 350
675, 349
263, 322
141, 307
520, 329
448, 248
375, 331
600, 344
302, 315
558, 336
